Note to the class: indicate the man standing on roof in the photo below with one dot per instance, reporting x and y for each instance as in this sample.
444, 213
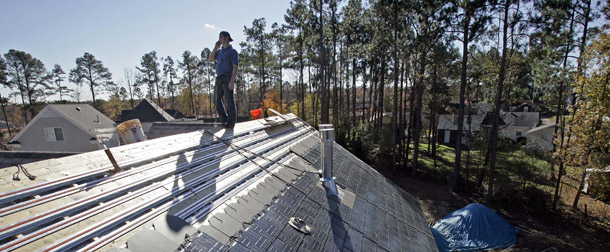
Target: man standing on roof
226, 60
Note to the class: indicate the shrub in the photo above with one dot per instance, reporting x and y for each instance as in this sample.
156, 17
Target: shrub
599, 183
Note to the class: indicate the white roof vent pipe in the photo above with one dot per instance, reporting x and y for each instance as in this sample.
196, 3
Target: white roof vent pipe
320, 128
328, 137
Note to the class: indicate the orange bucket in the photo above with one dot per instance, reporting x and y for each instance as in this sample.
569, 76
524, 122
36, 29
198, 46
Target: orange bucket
255, 114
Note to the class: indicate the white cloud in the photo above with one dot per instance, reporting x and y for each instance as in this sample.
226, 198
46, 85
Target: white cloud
210, 26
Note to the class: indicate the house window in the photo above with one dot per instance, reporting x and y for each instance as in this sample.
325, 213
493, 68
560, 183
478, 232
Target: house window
518, 133
54, 134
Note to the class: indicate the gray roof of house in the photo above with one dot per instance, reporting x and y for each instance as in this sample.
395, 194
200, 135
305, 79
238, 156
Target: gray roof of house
542, 127
147, 111
210, 190
85, 116
529, 119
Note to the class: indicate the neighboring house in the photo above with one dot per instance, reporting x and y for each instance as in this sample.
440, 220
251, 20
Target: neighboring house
472, 108
203, 191
448, 122
67, 128
514, 125
541, 137
146, 111
526, 106
386, 118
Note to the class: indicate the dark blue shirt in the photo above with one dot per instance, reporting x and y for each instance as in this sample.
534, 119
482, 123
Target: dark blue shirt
225, 59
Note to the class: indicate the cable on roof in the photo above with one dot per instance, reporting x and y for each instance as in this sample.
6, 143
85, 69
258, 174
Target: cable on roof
25, 172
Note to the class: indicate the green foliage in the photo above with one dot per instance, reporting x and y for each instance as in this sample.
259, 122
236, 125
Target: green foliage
57, 75
362, 144
112, 108
259, 43
506, 144
589, 128
93, 73
189, 66
27, 76
151, 71
169, 71
485, 64
370, 146
599, 183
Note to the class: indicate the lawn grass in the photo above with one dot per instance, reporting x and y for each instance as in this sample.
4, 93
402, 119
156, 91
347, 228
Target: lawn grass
519, 179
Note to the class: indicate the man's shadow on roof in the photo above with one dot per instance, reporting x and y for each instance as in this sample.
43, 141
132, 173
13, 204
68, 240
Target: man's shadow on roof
194, 185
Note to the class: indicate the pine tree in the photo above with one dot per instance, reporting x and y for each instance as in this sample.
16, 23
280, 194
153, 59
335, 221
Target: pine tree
189, 66
151, 70
93, 73
58, 76
28, 76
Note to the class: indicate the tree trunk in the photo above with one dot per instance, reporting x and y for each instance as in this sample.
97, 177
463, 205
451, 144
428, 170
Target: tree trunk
469, 120
301, 68
418, 107
373, 100
92, 95
373, 87
190, 81
354, 67
381, 95
158, 95
411, 122
395, 100
5, 117
322, 69
435, 138
364, 80
581, 185
496, 118
281, 83
401, 130
580, 70
559, 112
460, 122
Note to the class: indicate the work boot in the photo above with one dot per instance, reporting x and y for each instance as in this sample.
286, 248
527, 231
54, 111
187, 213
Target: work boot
228, 125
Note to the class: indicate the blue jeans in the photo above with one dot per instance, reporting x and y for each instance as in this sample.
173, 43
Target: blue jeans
221, 88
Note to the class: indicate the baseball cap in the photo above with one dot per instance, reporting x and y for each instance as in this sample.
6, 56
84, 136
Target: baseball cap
226, 34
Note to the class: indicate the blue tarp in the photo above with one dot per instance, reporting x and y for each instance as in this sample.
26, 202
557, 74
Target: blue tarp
441, 241
473, 228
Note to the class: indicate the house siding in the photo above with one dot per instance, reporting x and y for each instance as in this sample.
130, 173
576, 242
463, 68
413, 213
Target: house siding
511, 132
453, 136
542, 139
75, 140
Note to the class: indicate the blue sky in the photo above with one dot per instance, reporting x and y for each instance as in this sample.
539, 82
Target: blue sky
119, 32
